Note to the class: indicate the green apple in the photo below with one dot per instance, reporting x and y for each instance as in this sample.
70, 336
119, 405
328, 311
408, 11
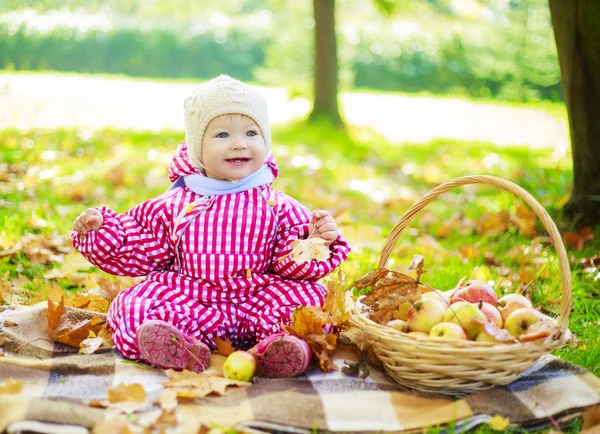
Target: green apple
424, 314
239, 365
448, 330
521, 319
468, 316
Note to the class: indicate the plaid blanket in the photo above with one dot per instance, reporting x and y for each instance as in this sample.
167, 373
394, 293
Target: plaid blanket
58, 382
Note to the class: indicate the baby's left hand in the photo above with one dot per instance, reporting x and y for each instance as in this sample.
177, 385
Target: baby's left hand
322, 225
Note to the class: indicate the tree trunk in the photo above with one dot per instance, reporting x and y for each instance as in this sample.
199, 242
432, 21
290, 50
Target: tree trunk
577, 32
326, 64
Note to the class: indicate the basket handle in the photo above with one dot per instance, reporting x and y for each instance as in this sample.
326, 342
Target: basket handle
565, 271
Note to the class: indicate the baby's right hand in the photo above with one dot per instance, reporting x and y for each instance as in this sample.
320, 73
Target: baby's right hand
89, 220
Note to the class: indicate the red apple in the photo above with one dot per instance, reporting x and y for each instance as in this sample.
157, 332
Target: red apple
511, 302
424, 314
491, 313
448, 330
475, 291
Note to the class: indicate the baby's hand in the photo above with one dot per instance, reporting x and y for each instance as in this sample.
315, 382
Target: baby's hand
89, 220
322, 225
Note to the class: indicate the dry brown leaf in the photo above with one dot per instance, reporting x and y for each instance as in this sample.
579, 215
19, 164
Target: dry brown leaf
11, 387
133, 392
309, 249
591, 420
493, 224
64, 331
501, 335
526, 220
115, 426
189, 385
592, 263
541, 330
308, 324
335, 301
576, 240
224, 347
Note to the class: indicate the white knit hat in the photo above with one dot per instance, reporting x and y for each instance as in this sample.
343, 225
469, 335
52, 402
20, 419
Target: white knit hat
219, 96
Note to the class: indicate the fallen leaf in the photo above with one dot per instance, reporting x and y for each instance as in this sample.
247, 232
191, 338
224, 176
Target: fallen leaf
493, 224
190, 385
541, 330
501, 335
335, 301
576, 240
133, 392
308, 324
224, 347
591, 264
591, 419
115, 426
499, 423
309, 249
64, 331
526, 220
91, 344
358, 369
11, 387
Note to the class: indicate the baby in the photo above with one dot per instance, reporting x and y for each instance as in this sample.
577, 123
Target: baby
213, 248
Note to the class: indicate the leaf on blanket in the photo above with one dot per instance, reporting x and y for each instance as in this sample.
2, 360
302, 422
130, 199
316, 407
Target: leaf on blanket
132, 392
309, 249
335, 301
190, 385
94, 341
499, 423
224, 347
591, 419
307, 324
114, 426
64, 331
11, 387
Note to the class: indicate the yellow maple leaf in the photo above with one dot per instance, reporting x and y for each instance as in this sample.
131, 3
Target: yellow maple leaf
127, 392
309, 249
11, 387
499, 423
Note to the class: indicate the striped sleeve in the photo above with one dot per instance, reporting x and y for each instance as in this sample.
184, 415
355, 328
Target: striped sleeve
130, 244
293, 225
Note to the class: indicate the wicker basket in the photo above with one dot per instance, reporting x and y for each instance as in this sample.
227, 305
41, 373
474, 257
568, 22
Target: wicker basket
461, 367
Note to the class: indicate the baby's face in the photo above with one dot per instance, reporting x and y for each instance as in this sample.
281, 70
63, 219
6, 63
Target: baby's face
232, 147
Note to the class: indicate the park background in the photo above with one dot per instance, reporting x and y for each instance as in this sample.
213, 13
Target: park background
91, 111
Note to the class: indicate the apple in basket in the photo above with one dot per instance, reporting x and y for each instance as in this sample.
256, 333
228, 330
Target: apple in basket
475, 291
424, 314
520, 320
468, 316
239, 365
448, 330
436, 294
491, 313
511, 302
398, 324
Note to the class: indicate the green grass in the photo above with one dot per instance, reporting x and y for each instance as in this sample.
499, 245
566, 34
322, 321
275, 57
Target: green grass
48, 177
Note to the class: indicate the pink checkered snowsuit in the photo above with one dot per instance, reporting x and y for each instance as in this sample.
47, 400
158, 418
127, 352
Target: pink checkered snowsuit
215, 266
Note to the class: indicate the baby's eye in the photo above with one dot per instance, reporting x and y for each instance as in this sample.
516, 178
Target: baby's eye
222, 135
251, 133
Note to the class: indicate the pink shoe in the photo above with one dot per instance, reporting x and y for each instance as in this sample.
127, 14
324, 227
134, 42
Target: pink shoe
162, 345
283, 355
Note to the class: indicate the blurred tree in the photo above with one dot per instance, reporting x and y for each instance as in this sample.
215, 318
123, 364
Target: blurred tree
325, 91
577, 31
